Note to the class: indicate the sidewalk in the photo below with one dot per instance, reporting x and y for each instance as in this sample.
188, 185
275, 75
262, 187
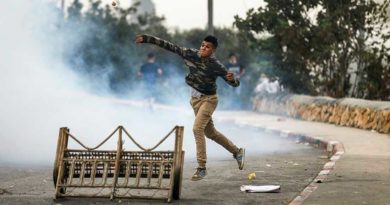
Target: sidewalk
360, 176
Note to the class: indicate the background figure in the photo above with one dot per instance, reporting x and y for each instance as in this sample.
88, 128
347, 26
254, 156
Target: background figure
263, 86
274, 86
238, 70
234, 66
149, 72
267, 86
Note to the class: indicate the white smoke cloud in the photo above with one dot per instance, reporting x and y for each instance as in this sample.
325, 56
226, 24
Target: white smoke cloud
40, 93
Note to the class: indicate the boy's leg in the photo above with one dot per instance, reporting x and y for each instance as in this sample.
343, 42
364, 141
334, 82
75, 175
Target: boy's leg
203, 108
219, 138
238, 153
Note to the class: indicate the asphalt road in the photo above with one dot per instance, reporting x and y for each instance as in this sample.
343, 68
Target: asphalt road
292, 168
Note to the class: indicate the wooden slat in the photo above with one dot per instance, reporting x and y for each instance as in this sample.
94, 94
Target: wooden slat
71, 172
127, 173
149, 175
138, 176
82, 172
93, 173
160, 174
105, 172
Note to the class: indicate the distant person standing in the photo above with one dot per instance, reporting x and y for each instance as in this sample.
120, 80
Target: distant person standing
274, 86
150, 71
263, 86
234, 66
238, 70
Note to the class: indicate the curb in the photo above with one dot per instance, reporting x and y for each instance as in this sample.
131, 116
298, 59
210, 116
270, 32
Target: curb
334, 149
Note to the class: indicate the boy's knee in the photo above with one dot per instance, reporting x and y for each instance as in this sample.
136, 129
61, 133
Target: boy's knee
212, 134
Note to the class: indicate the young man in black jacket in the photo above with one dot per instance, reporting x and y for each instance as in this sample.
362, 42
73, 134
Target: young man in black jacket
204, 69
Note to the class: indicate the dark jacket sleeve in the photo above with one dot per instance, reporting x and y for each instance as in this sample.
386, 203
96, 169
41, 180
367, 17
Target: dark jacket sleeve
222, 72
181, 51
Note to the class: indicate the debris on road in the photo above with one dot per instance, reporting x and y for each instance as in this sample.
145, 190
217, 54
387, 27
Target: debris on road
252, 176
4, 191
260, 188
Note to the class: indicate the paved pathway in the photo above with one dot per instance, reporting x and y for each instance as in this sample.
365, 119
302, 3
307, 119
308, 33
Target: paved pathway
360, 176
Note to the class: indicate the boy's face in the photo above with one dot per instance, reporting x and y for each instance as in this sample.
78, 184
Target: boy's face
206, 49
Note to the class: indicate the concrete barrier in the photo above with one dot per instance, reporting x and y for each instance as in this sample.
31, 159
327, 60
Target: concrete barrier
351, 112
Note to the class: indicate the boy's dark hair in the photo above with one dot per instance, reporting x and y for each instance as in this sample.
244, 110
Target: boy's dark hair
212, 39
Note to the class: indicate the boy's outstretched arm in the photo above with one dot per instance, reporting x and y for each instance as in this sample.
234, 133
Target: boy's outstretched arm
184, 52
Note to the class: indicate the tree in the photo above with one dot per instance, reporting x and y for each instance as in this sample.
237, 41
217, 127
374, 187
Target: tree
105, 51
289, 45
314, 44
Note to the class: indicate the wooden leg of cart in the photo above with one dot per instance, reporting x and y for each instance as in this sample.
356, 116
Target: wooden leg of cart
178, 179
179, 163
58, 173
117, 163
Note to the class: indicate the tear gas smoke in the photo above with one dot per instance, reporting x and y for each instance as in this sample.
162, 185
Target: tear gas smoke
40, 93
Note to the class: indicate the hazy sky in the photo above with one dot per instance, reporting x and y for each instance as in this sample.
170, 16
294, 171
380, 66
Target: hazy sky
187, 14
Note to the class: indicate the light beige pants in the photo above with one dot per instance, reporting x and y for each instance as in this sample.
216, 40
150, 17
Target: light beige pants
204, 107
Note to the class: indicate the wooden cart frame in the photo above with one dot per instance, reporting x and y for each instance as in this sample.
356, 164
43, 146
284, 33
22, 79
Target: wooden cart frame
145, 174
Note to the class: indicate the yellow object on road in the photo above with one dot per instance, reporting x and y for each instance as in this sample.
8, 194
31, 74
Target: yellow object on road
252, 176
